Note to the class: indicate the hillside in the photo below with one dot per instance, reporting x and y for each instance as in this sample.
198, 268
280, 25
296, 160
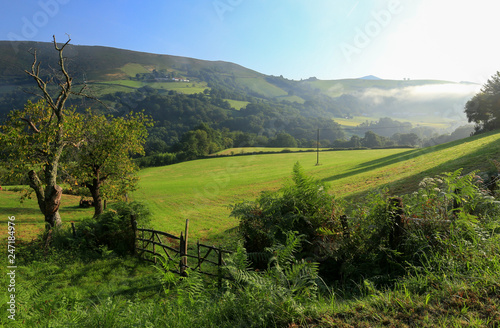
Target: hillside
201, 190
110, 70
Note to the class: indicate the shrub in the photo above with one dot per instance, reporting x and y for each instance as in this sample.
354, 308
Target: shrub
303, 206
111, 232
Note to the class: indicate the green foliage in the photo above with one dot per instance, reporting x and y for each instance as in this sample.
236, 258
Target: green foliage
184, 289
483, 108
107, 235
380, 240
201, 141
304, 206
31, 139
287, 282
101, 161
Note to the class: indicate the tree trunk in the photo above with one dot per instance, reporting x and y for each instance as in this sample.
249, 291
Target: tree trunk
53, 196
95, 191
49, 199
53, 219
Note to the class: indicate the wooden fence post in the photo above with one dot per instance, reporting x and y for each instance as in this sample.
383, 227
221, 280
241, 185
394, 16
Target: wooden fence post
184, 259
133, 223
395, 238
181, 253
73, 228
154, 248
345, 226
219, 267
199, 260
183, 246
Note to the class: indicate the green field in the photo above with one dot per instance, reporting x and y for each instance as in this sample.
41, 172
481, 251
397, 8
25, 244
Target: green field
28, 213
261, 86
237, 104
182, 87
201, 190
435, 122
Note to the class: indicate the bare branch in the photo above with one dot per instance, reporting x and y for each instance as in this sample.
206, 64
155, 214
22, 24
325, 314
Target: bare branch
65, 87
85, 95
77, 144
33, 93
30, 124
42, 85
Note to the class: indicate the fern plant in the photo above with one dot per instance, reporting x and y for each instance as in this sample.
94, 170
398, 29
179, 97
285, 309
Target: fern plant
187, 288
285, 275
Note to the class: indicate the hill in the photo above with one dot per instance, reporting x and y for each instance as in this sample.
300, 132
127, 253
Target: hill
370, 77
109, 70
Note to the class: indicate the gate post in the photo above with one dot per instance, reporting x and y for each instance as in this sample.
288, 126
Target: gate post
181, 253
183, 248
396, 206
133, 223
219, 269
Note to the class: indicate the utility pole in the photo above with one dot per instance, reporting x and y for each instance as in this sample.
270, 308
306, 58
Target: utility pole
317, 149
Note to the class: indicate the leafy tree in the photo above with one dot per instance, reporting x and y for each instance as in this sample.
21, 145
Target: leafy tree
37, 136
405, 139
484, 108
202, 141
283, 140
102, 159
371, 140
355, 141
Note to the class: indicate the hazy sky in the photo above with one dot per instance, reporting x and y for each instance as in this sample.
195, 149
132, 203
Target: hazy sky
329, 39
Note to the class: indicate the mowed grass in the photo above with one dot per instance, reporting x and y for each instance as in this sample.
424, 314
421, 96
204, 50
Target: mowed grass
201, 190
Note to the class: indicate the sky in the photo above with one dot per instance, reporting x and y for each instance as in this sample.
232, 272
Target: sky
328, 39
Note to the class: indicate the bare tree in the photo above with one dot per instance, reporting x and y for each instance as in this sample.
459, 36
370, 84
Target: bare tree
34, 138
49, 198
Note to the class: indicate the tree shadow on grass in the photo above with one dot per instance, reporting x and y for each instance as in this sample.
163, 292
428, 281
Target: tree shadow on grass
401, 157
17, 212
478, 160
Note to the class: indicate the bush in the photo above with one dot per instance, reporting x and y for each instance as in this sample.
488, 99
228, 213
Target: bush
304, 207
109, 233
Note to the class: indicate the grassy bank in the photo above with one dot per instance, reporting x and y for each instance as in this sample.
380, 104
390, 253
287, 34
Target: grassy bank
201, 190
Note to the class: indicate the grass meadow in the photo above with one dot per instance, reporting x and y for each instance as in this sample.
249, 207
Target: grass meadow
201, 190
63, 288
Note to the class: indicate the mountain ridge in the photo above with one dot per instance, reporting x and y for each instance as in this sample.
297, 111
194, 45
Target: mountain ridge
108, 70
